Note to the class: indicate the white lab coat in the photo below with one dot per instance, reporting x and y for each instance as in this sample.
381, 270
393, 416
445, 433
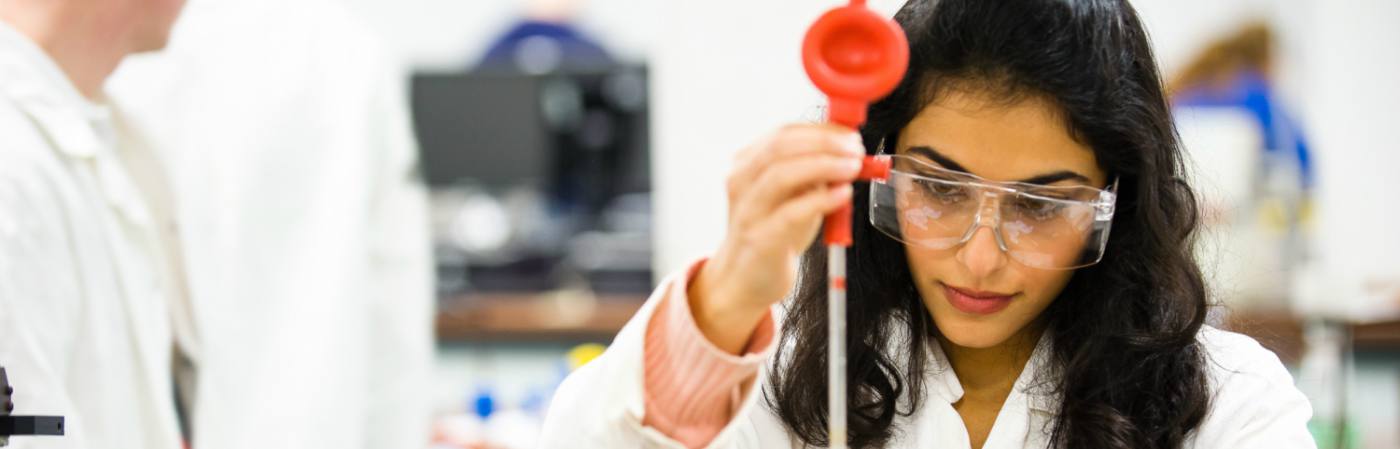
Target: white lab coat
1255, 404
84, 330
306, 247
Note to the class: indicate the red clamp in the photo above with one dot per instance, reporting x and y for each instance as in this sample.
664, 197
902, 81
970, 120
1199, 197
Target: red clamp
836, 229
855, 57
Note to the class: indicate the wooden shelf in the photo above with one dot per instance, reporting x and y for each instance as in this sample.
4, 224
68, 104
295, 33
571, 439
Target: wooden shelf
534, 317
556, 317
1282, 332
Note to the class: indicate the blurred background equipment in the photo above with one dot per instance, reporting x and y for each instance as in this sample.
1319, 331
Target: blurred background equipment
540, 181
1262, 248
537, 153
1252, 167
539, 162
546, 40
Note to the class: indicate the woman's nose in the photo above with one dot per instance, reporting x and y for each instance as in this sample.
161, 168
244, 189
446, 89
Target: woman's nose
981, 254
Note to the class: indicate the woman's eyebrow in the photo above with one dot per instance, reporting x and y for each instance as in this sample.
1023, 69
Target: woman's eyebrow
938, 158
1051, 178
1045, 179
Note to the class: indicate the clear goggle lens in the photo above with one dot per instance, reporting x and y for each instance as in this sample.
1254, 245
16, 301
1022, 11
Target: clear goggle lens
1046, 227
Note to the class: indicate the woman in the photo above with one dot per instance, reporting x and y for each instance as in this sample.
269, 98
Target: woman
1024, 279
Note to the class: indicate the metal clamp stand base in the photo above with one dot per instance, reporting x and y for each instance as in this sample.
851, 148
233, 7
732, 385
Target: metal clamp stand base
22, 425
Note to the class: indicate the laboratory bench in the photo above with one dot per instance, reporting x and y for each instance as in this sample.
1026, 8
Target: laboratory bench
1282, 332
534, 317
528, 317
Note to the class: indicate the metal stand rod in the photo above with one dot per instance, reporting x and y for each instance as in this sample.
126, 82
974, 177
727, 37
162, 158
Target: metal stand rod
836, 346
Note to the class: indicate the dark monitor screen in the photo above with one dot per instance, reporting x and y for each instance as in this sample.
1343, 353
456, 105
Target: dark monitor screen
577, 138
580, 136
482, 128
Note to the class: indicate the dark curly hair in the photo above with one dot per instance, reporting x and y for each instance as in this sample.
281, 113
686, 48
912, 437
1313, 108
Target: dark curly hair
1125, 356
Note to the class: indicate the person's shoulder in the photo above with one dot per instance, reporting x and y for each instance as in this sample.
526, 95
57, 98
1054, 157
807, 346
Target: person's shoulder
1254, 402
32, 172
22, 144
1231, 354
15, 124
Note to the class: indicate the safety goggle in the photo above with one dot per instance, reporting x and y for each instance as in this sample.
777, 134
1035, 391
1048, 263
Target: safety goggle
1046, 227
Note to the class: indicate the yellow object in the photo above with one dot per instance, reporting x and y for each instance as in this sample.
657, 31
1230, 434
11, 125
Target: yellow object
584, 353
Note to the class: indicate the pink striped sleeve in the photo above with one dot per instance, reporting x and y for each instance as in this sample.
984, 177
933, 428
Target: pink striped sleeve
692, 387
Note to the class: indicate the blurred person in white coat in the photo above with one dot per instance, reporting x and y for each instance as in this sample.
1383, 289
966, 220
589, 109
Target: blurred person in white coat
306, 247
85, 293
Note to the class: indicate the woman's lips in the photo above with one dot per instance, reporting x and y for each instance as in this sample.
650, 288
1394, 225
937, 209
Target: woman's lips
975, 302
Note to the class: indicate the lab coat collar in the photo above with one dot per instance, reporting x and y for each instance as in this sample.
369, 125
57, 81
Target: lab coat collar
1035, 385
79, 128
39, 86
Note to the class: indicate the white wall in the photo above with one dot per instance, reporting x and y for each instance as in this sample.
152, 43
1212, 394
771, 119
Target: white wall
725, 72
452, 34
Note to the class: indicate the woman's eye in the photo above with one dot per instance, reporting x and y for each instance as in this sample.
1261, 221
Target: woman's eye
1038, 209
947, 193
